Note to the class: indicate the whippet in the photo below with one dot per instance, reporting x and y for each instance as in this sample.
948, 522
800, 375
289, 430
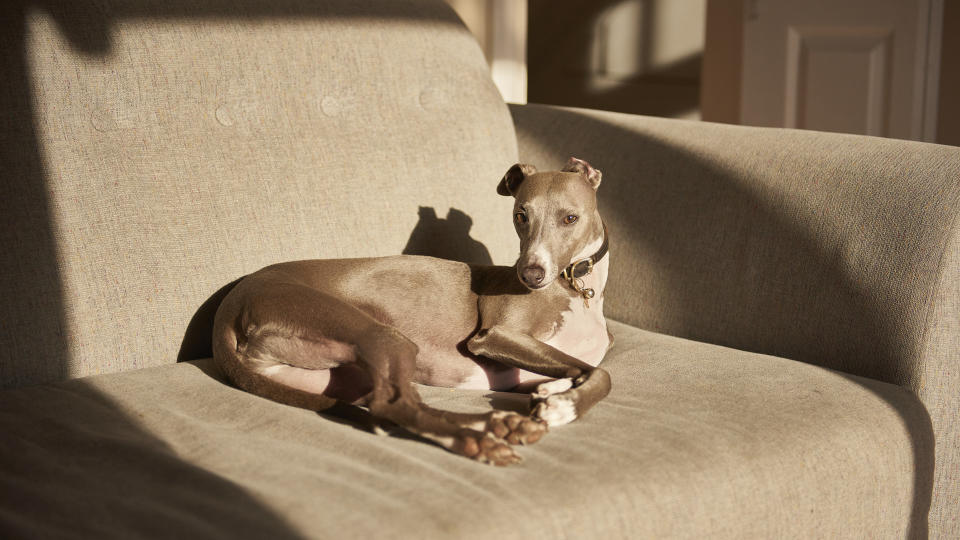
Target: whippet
362, 331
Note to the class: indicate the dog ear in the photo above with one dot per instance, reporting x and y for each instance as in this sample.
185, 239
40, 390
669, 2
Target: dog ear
591, 175
511, 181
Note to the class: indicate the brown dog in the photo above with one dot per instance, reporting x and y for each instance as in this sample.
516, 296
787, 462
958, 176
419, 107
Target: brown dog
311, 333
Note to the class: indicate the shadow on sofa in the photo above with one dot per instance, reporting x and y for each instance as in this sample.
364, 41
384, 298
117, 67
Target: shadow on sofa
84, 466
32, 287
447, 238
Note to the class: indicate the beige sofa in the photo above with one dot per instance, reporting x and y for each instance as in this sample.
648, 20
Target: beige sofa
785, 303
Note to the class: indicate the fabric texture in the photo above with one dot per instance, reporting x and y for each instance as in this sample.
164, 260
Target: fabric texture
181, 145
695, 440
837, 250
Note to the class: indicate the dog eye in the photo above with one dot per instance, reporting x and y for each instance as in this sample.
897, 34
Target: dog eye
570, 220
520, 218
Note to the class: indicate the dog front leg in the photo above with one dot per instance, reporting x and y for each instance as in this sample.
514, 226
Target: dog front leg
579, 386
390, 358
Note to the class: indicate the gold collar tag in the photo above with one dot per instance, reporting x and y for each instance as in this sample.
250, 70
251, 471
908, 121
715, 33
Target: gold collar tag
576, 281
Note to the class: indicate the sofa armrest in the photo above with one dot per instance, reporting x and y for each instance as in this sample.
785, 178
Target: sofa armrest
838, 250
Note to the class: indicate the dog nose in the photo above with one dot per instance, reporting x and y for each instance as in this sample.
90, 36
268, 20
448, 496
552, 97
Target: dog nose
533, 275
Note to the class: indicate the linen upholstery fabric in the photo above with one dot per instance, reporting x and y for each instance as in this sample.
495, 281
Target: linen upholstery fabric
838, 250
164, 149
695, 440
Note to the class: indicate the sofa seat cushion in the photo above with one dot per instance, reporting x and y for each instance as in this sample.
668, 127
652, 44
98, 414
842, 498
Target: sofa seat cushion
693, 439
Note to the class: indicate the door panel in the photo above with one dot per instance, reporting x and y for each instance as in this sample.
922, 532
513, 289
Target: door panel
837, 79
857, 66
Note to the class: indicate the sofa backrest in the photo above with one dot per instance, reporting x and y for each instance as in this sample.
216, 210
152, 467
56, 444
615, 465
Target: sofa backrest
153, 152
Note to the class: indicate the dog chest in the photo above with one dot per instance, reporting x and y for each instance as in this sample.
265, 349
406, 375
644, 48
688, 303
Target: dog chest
581, 332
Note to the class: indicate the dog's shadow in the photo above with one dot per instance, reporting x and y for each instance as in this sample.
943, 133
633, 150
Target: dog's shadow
360, 418
446, 238
197, 341
509, 401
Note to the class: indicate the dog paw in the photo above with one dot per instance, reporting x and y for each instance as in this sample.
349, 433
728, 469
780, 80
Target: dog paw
486, 448
550, 388
556, 410
516, 428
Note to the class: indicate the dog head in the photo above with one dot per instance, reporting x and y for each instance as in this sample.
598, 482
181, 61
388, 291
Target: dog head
555, 215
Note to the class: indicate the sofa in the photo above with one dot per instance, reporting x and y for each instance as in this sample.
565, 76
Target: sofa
785, 304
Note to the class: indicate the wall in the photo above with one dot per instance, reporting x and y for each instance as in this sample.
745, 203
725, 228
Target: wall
948, 118
500, 27
637, 56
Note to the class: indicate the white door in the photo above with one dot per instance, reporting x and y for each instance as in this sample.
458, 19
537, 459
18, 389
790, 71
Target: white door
855, 66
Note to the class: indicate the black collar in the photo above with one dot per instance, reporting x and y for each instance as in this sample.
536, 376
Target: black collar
583, 267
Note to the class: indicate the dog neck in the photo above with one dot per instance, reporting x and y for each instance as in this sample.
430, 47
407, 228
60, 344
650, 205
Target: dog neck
587, 274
